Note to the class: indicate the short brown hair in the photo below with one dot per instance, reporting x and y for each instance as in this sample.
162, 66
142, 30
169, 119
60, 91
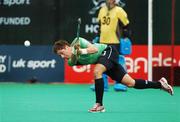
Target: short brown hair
58, 45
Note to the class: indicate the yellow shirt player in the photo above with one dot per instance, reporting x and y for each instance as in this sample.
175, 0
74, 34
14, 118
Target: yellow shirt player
112, 21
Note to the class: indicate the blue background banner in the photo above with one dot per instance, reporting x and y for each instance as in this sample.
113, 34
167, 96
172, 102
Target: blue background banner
20, 64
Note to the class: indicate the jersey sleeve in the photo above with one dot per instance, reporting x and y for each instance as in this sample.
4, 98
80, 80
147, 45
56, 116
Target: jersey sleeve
84, 43
122, 15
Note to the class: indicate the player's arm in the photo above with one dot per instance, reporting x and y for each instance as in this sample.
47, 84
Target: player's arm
124, 23
88, 50
73, 60
91, 49
126, 32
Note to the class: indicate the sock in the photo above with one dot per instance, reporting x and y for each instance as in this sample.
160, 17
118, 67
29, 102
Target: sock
99, 90
144, 84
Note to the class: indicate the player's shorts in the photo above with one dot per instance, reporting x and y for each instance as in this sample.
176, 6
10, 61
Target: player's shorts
109, 59
116, 46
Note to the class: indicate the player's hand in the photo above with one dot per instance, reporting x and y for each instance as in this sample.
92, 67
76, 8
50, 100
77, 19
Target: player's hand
76, 46
77, 49
74, 58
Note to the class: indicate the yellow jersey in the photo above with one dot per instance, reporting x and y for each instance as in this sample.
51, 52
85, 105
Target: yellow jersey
109, 24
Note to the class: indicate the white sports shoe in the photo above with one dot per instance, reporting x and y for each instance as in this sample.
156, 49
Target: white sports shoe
165, 86
97, 108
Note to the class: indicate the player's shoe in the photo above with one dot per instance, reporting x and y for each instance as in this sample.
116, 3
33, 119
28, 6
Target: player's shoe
97, 108
165, 86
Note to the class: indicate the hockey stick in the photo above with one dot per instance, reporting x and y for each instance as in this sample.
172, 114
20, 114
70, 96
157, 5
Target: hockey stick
78, 33
75, 43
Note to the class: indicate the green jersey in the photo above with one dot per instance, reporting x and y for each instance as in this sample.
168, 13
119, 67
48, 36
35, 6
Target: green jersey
85, 59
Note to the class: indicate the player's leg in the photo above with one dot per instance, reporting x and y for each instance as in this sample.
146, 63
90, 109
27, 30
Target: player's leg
106, 86
144, 84
118, 73
118, 86
121, 60
99, 88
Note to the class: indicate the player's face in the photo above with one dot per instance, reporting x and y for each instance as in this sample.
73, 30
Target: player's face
65, 53
110, 2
